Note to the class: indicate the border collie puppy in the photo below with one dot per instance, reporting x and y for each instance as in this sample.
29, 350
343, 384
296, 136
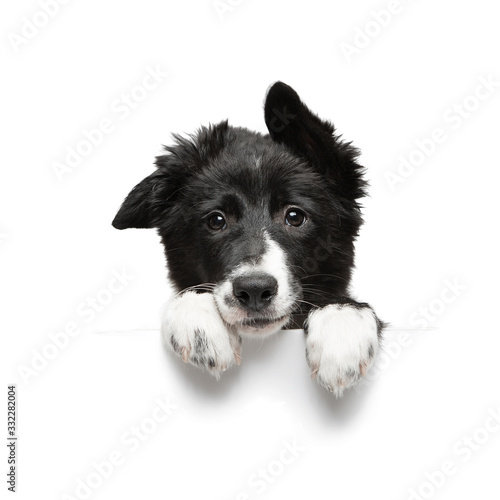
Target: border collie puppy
259, 235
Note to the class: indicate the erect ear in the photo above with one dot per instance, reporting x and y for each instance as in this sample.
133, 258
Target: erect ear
138, 209
291, 123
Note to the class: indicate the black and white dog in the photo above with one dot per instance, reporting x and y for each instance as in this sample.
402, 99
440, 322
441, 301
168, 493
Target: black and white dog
259, 235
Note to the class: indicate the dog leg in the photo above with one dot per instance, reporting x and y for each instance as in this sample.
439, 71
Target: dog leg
193, 329
342, 341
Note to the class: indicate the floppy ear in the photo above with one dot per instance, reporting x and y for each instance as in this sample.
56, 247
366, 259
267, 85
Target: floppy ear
138, 209
148, 202
291, 123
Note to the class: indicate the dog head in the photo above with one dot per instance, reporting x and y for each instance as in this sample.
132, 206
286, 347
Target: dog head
264, 222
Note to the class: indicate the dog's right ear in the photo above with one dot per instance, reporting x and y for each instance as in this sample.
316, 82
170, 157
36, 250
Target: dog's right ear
152, 198
139, 209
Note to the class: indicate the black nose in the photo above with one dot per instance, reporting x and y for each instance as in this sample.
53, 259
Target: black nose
255, 291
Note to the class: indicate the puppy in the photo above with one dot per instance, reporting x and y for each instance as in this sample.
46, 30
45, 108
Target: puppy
259, 235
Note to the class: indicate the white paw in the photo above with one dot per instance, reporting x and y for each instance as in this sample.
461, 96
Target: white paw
193, 329
342, 341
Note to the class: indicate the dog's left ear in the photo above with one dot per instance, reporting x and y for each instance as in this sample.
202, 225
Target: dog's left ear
291, 123
138, 210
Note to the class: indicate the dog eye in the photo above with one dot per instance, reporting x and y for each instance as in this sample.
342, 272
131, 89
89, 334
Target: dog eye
216, 221
295, 217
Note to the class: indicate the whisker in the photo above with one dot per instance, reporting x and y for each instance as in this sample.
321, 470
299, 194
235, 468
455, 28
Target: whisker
305, 302
331, 275
202, 286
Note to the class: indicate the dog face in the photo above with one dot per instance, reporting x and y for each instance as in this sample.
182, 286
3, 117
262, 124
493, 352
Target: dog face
265, 223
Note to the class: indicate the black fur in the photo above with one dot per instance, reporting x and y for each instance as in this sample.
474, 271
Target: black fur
302, 163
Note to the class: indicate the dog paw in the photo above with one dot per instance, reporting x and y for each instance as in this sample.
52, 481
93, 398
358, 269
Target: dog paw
342, 341
193, 329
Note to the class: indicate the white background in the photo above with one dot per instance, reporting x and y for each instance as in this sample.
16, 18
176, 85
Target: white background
430, 242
